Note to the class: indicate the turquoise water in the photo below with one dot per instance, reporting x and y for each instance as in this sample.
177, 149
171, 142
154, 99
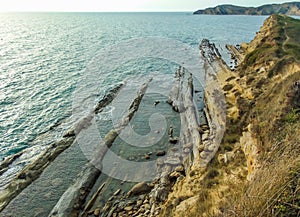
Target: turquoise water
44, 55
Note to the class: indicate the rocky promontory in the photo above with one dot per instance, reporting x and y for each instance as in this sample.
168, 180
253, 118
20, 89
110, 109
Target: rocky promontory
290, 8
256, 171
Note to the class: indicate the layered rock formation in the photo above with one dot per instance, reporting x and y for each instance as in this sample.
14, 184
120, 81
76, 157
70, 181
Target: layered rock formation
291, 8
258, 160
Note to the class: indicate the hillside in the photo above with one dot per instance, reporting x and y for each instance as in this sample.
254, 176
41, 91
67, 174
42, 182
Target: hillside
256, 171
292, 8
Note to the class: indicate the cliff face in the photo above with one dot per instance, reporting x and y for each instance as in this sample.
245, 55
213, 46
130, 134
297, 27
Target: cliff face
292, 8
256, 171
268, 119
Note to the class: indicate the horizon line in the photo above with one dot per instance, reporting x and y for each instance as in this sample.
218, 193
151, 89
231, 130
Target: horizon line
58, 11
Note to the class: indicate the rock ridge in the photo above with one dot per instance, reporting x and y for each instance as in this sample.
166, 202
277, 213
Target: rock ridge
290, 8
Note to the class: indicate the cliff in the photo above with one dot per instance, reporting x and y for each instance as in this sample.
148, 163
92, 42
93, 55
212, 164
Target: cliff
291, 8
256, 171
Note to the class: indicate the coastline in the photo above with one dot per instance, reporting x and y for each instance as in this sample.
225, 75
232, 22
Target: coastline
257, 155
196, 153
201, 161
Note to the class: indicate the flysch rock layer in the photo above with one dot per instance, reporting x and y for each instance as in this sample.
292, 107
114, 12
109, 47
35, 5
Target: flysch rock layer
195, 147
38, 162
72, 200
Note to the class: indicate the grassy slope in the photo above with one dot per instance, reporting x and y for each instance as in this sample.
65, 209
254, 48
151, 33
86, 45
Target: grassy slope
268, 105
274, 117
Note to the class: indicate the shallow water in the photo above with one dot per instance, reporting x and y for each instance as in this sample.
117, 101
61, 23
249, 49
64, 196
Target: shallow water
40, 197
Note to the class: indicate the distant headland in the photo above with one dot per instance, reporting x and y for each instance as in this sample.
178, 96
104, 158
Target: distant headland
290, 8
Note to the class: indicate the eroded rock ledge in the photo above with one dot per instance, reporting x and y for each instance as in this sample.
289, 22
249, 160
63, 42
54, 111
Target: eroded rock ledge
193, 149
40, 160
257, 156
195, 146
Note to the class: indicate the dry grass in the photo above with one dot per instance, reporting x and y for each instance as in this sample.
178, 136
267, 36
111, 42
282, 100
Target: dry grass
275, 191
274, 114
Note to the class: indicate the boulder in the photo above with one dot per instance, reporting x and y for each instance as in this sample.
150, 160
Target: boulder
205, 136
180, 169
140, 188
128, 208
97, 212
161, 194
156, 102
173, 140
175, 175
160, 153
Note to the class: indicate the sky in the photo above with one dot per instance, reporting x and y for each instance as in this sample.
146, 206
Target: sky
121, 5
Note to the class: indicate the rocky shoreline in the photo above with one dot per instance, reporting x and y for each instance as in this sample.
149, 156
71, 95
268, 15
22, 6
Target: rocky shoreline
193, 148
259, 150
148, 199
39, 162
289, 8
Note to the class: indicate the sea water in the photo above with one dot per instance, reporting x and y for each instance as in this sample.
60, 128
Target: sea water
44, 55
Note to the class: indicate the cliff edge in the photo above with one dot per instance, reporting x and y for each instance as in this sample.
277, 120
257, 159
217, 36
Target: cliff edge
256, 171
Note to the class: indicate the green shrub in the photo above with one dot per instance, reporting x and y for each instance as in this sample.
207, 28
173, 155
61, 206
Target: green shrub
292, 116
212, 173
228, 147
227, 87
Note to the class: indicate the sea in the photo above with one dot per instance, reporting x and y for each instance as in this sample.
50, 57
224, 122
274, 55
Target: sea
52, 64
43, 56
